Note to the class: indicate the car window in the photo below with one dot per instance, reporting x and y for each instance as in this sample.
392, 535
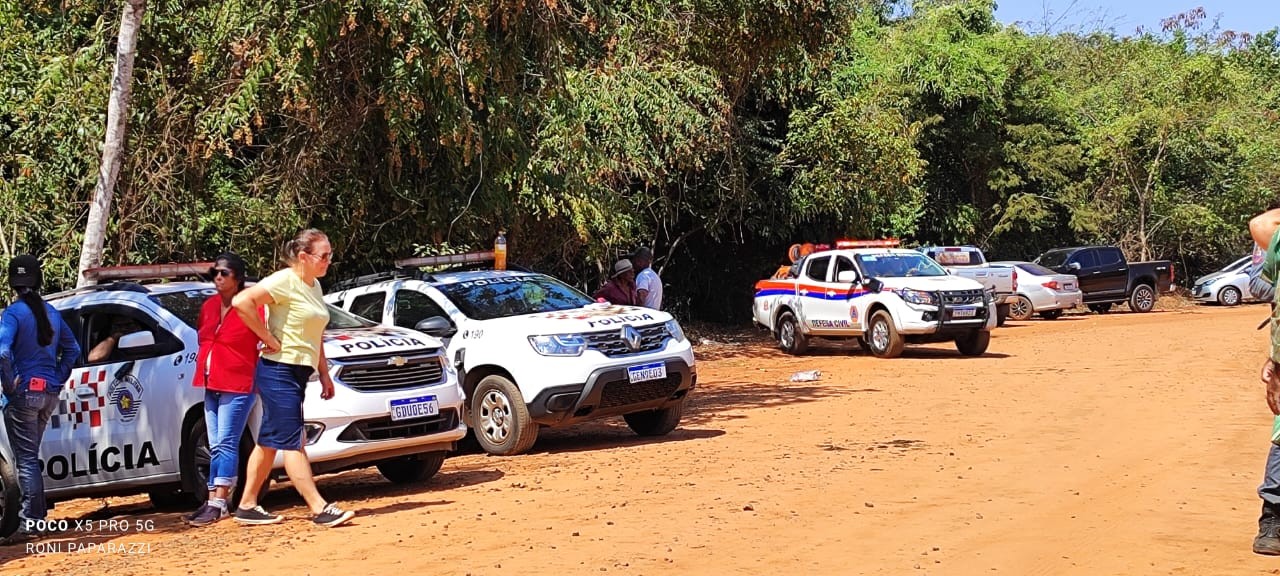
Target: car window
340, 319
898, 265
504, 296
1085, 259
413, 307
1035, 269
817, 270
369, 305
843, 264
956, 256
104, 326
1109, 256
1054, 258
185, 305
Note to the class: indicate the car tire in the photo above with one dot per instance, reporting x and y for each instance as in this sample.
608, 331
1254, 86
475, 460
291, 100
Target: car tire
10, 498
883, 338
791, 339
1143, 298
1021, 309
502, 423
1002, 314
655, 422
974, 344
1101, 308
1229, 296
1051, 314
412, 469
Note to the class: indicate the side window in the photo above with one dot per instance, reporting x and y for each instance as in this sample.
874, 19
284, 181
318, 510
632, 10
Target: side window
843, 264
1109, 257
105, 327
413, 307
818, 269
1085, 259
369, 305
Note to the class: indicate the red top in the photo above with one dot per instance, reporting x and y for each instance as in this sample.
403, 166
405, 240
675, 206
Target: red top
228, 350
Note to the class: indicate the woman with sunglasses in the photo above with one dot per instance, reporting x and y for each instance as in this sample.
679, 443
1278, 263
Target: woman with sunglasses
292, 350
227, 356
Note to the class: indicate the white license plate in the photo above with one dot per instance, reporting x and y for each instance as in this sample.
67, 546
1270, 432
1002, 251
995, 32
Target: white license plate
964, 312
1068, 287
416, 407
647, 372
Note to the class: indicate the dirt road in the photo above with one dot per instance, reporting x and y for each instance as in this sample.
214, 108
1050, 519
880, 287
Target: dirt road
1119, 444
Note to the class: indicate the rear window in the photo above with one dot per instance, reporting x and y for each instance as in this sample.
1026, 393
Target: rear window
186, 306
512, 296
1035, 269
1054, 258
956, 257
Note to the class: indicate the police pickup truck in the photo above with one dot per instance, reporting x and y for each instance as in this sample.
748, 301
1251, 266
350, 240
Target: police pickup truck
532, 351
876, 293
134, 423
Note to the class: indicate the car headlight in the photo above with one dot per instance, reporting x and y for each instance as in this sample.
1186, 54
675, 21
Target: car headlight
918, 297
673, 328
559, 344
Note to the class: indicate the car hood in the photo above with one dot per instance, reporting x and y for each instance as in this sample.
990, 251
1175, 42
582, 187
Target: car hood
347, 342
590, 318
931, 283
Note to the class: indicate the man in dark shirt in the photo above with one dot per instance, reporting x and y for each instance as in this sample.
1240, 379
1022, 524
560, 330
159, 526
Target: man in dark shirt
621, 288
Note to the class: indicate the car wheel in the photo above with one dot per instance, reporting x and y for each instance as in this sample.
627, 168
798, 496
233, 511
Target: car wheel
883, 337
655, 422
790, 338
411, 469
1143, 299
1229, 296
10, 498
1051, 314
1100, 308
1021, 309
974, 344
502, 423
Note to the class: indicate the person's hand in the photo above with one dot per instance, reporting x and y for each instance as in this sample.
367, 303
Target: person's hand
326, 388
271, 345
1272, 383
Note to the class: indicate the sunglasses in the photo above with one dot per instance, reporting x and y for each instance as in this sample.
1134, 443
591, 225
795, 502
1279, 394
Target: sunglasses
227, 272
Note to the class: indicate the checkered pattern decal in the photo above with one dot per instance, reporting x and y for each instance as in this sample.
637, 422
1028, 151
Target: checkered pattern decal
78, 411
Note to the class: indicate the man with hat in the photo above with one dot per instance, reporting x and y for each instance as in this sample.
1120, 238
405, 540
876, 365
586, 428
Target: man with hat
37, 352
621, 288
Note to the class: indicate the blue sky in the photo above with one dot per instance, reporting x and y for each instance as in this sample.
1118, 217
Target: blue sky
1126, 16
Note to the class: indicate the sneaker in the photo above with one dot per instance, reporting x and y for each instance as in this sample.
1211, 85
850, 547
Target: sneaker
1267, 542
332, 516
207, 514
192, 516
256, 516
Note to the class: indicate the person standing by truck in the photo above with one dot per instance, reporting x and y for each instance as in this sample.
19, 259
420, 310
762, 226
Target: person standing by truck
292, 350
37, 352
648, 283
226, 358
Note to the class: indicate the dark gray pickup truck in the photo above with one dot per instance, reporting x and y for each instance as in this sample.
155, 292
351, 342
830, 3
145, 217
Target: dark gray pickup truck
1107, 278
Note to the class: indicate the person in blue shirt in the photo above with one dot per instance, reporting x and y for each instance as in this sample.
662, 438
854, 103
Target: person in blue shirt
37, 353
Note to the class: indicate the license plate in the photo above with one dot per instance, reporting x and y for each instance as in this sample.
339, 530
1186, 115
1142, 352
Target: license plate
647, 372
416, 407
1068, 287
964, 312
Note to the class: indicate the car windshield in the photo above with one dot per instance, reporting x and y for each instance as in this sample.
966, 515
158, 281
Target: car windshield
1035, 269
956, 256
898, 265
186, 306
500, 297
1238, 264
1054, 258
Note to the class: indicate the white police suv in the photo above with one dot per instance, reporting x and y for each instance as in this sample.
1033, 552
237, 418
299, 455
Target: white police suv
532, 351
132, 422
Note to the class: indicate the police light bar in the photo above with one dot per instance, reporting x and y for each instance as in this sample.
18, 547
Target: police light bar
148, 271
467, 258
888, 243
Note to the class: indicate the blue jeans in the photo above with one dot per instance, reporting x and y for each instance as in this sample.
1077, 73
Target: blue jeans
25, 418
225, 415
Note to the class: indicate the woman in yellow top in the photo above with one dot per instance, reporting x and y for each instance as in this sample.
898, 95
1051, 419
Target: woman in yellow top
292, 350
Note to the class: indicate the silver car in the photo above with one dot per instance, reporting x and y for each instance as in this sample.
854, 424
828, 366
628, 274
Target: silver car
1228, 286
1042, 291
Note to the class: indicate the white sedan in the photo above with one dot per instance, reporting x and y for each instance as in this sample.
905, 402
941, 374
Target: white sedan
1041, 291
1228, 286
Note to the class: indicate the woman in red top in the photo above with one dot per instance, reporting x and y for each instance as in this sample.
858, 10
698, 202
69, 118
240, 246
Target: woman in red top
228, 354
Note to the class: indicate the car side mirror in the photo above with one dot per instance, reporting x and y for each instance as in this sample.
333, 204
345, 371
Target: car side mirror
437, 326
847, 277
136, 340
873, 284
1073, 266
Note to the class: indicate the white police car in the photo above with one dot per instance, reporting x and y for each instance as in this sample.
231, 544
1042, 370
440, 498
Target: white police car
133, 422
532, 351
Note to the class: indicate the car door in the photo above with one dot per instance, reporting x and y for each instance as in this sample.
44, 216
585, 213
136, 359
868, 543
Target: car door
1113, 272
119, 416
1085, 268
411, 308
817, 293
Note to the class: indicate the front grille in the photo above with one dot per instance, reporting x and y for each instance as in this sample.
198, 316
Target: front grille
624, 393
374, 429
961, 297
381, 374
612, 343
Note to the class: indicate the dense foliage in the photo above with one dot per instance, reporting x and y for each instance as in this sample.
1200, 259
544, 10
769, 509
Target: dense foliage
717, 131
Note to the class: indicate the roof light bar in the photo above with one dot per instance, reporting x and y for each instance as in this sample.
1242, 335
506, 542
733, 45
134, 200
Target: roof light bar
148, 271
467, 258
887, 243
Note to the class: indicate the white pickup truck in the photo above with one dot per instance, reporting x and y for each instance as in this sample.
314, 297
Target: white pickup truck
970, 262
883, 297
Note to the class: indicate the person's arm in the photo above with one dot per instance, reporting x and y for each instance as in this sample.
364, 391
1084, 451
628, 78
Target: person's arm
103, 349
1263, 227
326, 382
8, 328
246, 304
642, 289
68, 351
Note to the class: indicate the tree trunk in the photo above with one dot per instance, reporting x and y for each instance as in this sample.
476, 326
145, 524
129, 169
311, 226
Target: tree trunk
113, 144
